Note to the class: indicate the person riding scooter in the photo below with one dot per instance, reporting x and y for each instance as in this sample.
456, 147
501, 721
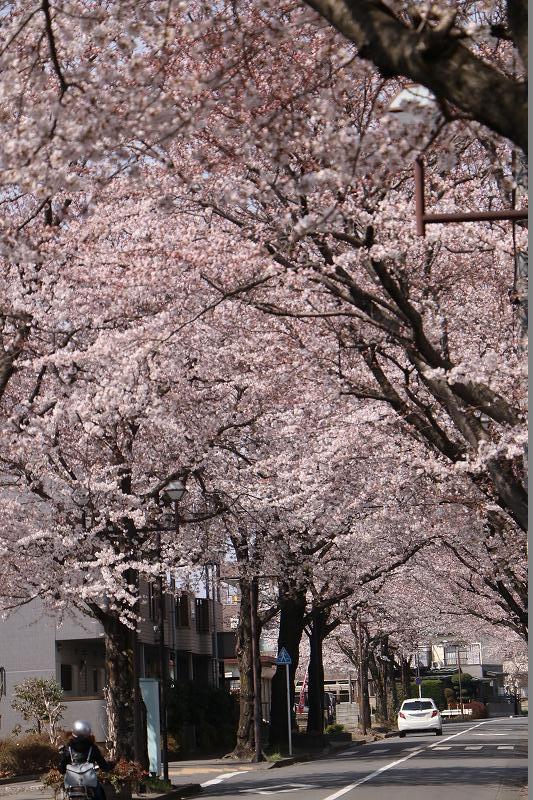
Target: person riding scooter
81, 749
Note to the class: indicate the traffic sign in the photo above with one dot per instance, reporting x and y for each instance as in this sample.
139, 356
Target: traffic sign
418, 681
283, 657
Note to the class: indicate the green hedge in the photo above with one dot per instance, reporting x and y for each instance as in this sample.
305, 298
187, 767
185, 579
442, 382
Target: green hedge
213, 712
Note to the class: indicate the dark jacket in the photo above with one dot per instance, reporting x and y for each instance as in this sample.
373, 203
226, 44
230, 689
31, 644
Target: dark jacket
83, 749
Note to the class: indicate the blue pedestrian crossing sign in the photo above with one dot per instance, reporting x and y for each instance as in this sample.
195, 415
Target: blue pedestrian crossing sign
283, 657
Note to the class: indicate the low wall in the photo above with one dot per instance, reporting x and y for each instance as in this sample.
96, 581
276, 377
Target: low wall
347, 714
504, 709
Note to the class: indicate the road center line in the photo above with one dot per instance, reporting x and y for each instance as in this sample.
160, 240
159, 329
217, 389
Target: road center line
386, 767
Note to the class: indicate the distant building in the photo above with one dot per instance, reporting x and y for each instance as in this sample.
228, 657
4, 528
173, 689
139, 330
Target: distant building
34, 644
444, 656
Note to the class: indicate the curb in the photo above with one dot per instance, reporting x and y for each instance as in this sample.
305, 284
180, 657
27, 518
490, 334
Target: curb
187, 790
283, 762
287, 762
20, 779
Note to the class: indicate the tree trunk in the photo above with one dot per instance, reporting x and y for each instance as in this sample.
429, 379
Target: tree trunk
379, 676
245, 746
405, 667
393, 689
291, 626
315, 689
120, 687
364, 711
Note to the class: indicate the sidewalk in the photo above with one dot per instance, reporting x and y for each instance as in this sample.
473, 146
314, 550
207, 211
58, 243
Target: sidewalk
26, 790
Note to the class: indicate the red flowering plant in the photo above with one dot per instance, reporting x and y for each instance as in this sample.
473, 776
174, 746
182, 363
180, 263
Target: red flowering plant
126, 773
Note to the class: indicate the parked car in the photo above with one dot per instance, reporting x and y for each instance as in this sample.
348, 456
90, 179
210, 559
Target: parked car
419, 714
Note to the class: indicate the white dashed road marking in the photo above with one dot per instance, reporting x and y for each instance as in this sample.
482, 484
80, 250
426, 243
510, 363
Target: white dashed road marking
473, 747
505, 747
386, 767
223, 777
447, 747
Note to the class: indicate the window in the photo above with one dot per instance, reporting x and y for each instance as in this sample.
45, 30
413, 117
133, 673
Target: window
66, 677
95, 681
468, 654
153, 602
182, 611
418, 705
202, 615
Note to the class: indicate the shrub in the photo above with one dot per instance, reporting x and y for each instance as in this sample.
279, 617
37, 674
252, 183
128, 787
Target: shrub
27, 754
155, 785
38, 700
335, 728
174, 744
8, 763
479, 710
450, 696
467, 685
53, 780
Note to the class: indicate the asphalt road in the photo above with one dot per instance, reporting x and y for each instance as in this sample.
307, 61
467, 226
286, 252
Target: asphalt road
483, 760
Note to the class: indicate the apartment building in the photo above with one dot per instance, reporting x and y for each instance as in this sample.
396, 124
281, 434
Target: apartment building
35, 644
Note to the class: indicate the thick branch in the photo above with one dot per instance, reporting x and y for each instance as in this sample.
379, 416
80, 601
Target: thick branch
434, 58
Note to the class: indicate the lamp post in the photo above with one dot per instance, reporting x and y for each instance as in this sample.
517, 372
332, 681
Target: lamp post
173, 491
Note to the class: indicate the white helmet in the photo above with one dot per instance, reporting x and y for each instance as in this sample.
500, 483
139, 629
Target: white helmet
81, 728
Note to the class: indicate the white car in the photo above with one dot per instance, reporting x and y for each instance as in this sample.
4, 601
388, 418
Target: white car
419, 714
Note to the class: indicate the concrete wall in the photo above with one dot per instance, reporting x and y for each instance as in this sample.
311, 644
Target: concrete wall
28, 649
347, 714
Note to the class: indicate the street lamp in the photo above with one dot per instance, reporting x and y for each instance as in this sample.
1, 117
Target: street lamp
174, 492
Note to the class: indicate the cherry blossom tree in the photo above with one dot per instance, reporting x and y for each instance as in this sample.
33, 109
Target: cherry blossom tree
207, 273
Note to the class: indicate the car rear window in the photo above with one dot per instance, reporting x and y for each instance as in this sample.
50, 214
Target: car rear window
417, 705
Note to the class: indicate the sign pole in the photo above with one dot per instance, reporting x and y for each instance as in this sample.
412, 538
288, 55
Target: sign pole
289, 724
285, 660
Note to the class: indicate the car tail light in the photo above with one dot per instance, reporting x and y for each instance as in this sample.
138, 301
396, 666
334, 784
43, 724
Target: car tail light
402, 715
434, 713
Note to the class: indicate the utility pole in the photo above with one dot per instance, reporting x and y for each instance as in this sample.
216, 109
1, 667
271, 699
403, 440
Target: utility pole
362, 710
460, 687
211, 593
419, 682
256, 669
162, 667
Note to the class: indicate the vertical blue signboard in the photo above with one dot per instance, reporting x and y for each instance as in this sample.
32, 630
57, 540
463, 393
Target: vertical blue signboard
150, 694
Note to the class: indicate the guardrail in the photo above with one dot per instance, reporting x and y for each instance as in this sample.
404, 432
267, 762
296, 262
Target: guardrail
456, 712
